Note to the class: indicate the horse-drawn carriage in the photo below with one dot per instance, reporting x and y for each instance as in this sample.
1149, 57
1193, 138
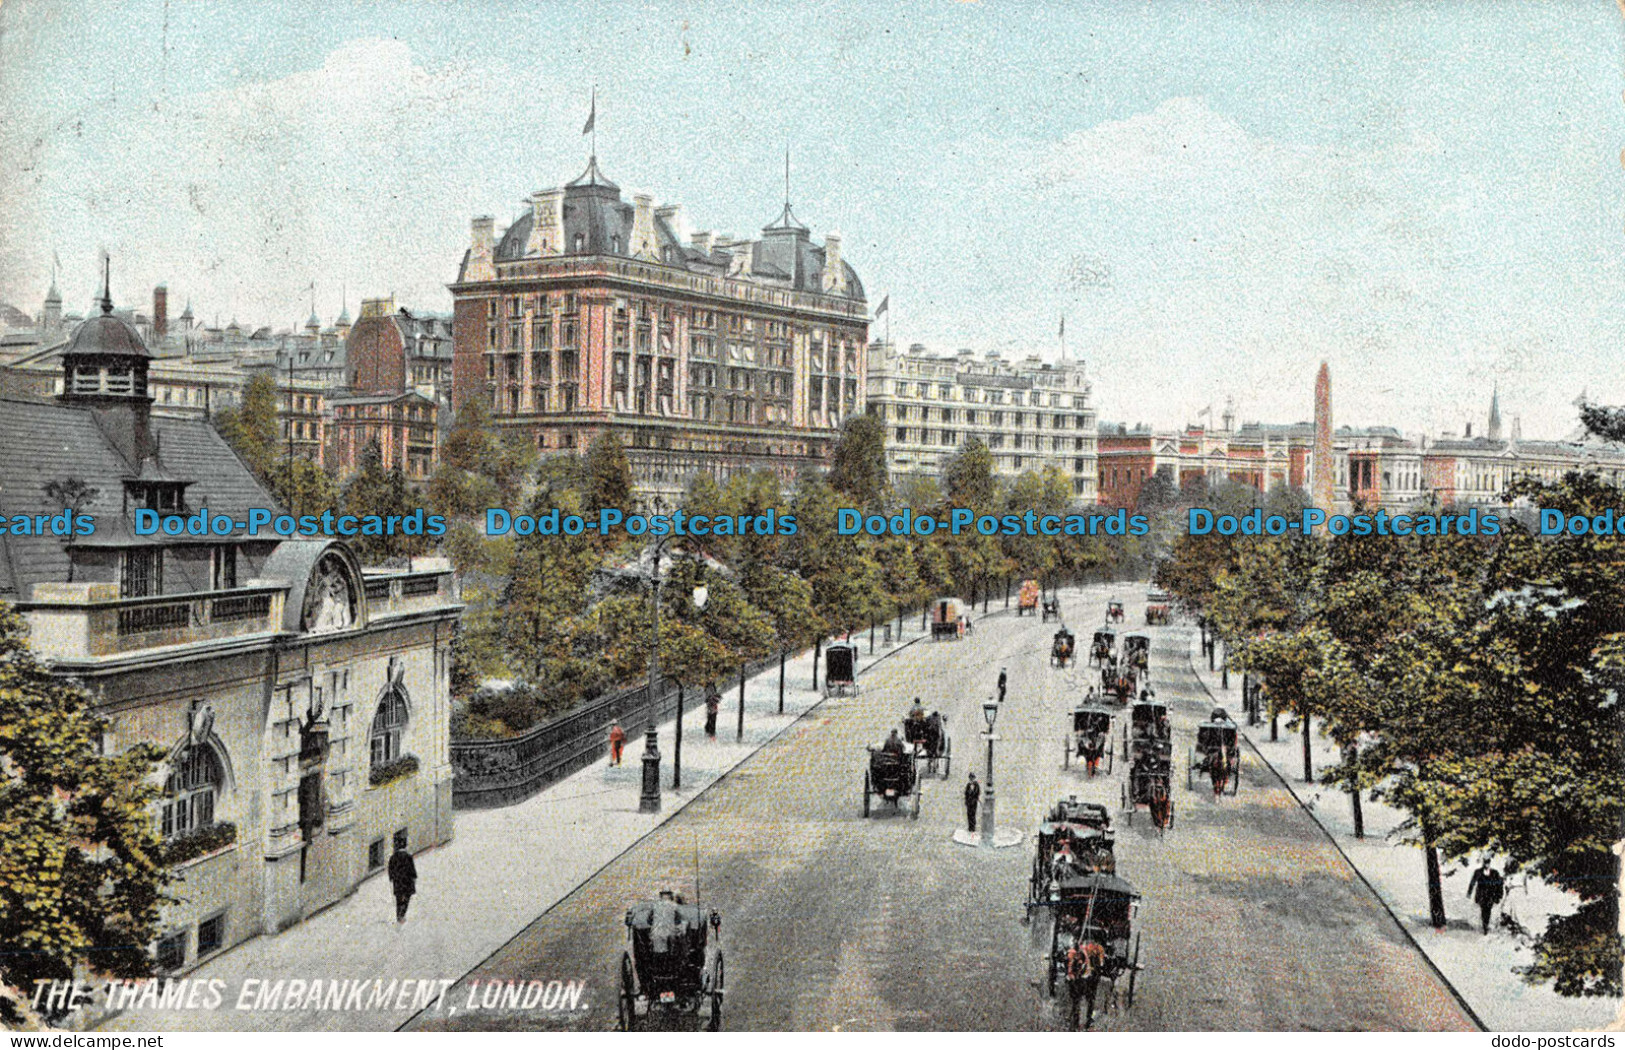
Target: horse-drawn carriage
1158, 609
1150, 775
1063, 650
1027, 602
1148, 749
1147, 721
1114, 611
1119, 679
928, 736
945, 619
1104, 647
1075, 839
1216, 755
673, 964
1052, 609
1090, 738
892, 777
1092, 941
841, 670
1137, 650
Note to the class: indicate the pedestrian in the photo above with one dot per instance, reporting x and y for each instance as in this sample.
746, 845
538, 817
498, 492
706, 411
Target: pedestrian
1486, 887
617, 742
973, 798
1004, 680
403, 878
713, 704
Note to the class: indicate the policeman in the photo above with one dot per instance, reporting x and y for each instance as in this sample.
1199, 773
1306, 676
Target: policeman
973, 798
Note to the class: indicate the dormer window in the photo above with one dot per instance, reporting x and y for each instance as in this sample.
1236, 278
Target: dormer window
615, 243
580, 242
161, 496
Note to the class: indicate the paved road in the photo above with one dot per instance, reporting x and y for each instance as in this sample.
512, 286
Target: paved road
1251, 920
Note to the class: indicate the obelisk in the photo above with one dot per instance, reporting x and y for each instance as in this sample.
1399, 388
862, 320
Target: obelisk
1323, 479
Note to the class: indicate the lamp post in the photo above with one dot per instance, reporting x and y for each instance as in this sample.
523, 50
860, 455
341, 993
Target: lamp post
701, 594
990, 712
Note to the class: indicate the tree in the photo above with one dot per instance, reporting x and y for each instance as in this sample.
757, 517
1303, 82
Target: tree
81, 871
251, 428
967, 479
381, 492
609, 474
859, 467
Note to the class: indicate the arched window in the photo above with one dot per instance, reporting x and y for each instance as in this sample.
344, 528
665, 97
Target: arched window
581, 243
388, 727
189, 793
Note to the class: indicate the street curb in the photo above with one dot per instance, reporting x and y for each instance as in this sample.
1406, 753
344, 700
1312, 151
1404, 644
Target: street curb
666, 817
1455, 992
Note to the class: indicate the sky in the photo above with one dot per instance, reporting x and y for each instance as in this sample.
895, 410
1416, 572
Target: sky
1217, 197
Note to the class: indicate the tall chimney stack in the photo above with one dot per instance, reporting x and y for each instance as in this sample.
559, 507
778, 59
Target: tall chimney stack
160, 312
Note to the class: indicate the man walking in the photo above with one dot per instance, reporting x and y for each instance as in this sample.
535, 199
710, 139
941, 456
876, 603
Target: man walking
1004, 680
1486, 888
973, 799
713, 703
617, 743
403, 877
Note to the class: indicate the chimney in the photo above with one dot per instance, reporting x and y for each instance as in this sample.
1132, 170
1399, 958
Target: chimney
702, 242
672, 216
547, 223
1517, 429
834, 272
1468, 431
481, 267
644, 245
160, 312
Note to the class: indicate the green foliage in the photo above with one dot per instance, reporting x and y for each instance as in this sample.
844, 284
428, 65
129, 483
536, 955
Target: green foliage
395, 769
381, 491
81, 869
1474, 683
609, 474
197, 843
858, 470
967, 480
251, 427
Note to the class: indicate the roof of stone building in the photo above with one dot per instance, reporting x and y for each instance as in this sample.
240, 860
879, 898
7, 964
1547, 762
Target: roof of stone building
106, 333
48, 441
594, 210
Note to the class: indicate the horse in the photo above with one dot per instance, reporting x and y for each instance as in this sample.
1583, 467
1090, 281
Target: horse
1093, 747
1218, 762
1085, 960
1161, 806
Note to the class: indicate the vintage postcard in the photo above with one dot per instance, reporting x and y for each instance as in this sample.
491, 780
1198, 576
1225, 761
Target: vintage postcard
813, 517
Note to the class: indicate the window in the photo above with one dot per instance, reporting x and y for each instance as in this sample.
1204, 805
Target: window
211, 935
388, 726
224, 568
171, 951
189, 793
375, 854
143, 573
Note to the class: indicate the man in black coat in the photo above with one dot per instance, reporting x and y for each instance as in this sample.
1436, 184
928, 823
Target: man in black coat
403, 877
1486, 888
973, 798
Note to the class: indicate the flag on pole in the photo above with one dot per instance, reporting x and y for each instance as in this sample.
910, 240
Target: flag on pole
1063, 326
592, 115
884, 303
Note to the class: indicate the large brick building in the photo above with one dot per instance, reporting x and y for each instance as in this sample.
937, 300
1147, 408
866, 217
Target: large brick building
706, 354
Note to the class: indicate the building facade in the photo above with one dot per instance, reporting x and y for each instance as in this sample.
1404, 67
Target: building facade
706, 354
390, 350
1031, 414
302, 702
405, 427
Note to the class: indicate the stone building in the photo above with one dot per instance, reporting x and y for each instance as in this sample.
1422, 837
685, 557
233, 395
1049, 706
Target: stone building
1031, 414
708, 353
302, 701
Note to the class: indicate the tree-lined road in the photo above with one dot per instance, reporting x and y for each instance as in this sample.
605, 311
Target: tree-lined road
1250, 919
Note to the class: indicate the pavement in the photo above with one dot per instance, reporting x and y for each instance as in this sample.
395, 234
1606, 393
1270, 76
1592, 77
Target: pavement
502, 868
1479, 967
1250, 918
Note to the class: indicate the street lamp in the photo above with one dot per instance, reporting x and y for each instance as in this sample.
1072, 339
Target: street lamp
701, 596
990, 712
649, 799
